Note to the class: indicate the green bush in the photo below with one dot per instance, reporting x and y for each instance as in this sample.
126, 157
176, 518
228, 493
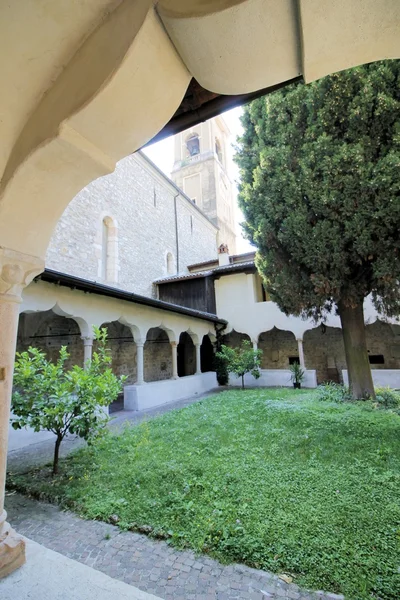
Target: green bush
387, 398
333, 392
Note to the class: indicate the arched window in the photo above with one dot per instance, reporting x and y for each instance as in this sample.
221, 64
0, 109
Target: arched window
170, 264
218, 150
109, 251
193, 145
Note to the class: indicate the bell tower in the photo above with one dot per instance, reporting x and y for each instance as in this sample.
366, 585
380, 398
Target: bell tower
200, 170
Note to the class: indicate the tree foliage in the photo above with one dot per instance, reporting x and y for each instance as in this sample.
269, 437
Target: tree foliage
47, 396
241, 360
320, 190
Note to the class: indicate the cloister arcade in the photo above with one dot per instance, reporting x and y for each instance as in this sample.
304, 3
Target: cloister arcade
319, 350
147, 344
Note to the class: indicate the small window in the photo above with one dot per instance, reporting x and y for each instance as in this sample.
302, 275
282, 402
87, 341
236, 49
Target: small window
293, 360
155, 197
376, 359
170, 263
109, 251
191, 224
193, 145
218, 150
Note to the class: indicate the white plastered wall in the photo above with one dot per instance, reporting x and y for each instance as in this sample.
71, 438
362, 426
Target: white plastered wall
92, 309
235, 300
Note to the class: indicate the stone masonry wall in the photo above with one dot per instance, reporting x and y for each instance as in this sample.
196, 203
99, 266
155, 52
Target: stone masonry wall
325, 351
48, 332
140, 202
157, 356
277, 346
123, 351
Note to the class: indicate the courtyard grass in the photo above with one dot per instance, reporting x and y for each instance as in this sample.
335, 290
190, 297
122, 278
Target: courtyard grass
273, 478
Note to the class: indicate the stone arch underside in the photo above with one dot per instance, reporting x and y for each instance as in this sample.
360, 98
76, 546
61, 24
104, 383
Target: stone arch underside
107, 79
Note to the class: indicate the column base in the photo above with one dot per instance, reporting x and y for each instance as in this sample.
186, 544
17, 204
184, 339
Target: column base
12, 550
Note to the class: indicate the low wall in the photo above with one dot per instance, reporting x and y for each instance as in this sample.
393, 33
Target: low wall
274, 378
156, 393
380, 377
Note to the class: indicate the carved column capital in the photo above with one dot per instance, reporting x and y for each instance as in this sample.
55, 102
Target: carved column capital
16, 272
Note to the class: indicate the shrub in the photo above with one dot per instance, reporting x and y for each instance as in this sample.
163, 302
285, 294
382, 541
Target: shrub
387, 398
333, 392
47, 396
241, 360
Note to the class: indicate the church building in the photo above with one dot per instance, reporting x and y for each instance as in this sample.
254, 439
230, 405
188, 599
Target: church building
154, 260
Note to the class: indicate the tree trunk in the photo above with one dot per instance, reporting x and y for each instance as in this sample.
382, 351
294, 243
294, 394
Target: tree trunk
242, 382
355, 346
56, 452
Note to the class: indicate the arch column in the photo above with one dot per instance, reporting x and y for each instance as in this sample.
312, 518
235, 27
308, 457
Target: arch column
140, 363
87, 349
16, 271
198, 359
301, 353
174, 347
255, 345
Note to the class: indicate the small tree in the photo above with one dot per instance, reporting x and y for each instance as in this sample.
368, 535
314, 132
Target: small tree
47, 396
241, 360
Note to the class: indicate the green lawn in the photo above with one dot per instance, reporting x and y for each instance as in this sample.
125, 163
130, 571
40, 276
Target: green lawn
272, 478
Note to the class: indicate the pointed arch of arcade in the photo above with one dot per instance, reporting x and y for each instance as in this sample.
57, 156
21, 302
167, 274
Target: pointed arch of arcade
279, 348
123, 350
207, 353
48, 331
158, 355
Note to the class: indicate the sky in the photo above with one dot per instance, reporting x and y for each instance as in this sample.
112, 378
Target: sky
162, 154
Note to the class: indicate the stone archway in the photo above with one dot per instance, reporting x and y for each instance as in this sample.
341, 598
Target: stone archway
123, 350
383, 346
324, 351
234, 339
157, 355
186, 355
207, 355
279, 348
48, 331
